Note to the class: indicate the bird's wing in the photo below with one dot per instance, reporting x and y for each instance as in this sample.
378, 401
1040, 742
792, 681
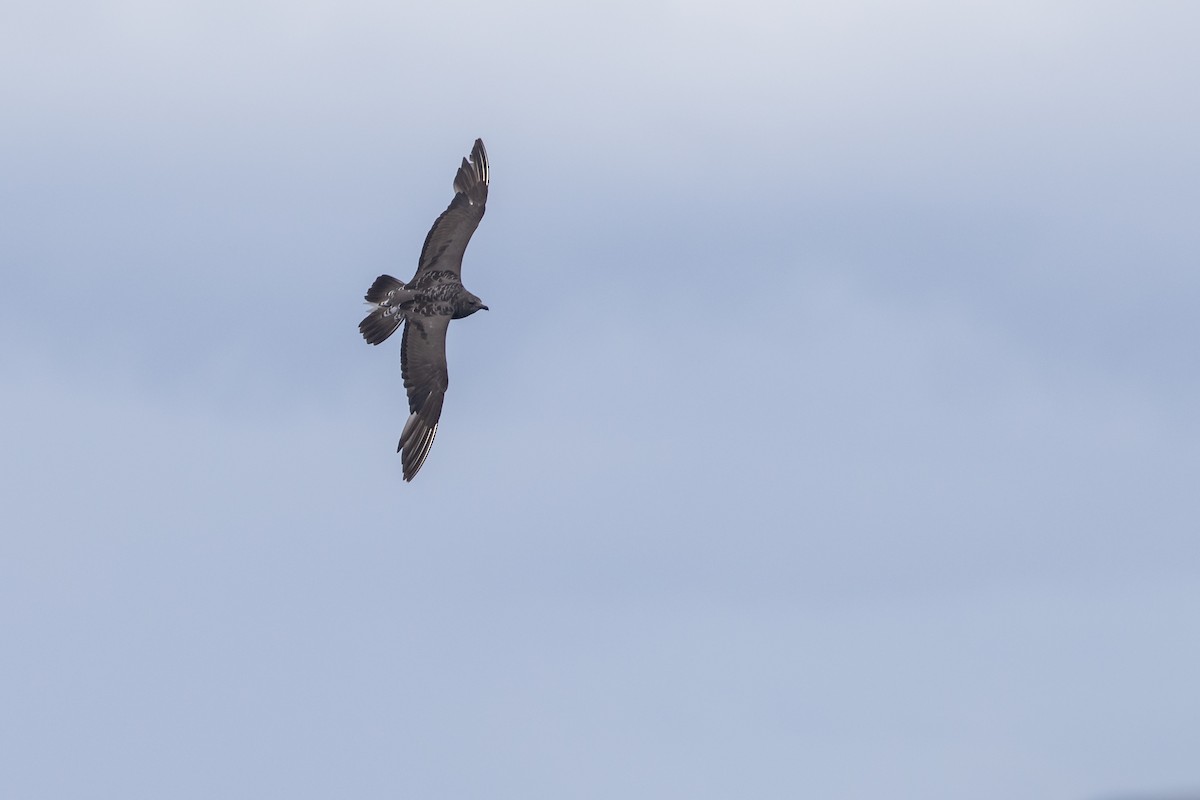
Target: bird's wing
447, 239
423, 365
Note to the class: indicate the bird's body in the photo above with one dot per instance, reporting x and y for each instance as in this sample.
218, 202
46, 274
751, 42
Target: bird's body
426, 304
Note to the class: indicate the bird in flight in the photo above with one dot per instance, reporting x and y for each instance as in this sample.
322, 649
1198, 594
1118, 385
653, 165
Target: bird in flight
426, 304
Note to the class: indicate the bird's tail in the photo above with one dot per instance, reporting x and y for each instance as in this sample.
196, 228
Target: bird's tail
386, 316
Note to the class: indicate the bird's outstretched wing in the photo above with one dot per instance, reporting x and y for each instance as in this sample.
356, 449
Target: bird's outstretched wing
423, 365
447, 239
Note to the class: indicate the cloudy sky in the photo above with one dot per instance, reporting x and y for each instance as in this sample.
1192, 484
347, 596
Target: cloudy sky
832, 434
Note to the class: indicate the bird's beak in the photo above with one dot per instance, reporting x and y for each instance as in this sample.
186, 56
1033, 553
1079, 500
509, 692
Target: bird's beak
485, 308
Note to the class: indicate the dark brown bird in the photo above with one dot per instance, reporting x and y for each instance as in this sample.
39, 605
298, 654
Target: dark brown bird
426, 304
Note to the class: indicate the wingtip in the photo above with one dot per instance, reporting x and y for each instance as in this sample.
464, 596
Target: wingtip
480, 158
418, 435
473, 176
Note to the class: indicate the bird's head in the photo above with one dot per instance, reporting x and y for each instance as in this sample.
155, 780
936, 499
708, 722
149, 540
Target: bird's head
469, 306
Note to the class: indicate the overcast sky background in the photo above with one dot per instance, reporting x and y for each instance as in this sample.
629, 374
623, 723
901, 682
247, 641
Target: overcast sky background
832, 434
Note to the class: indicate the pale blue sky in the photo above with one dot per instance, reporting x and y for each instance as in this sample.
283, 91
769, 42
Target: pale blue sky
832, 434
